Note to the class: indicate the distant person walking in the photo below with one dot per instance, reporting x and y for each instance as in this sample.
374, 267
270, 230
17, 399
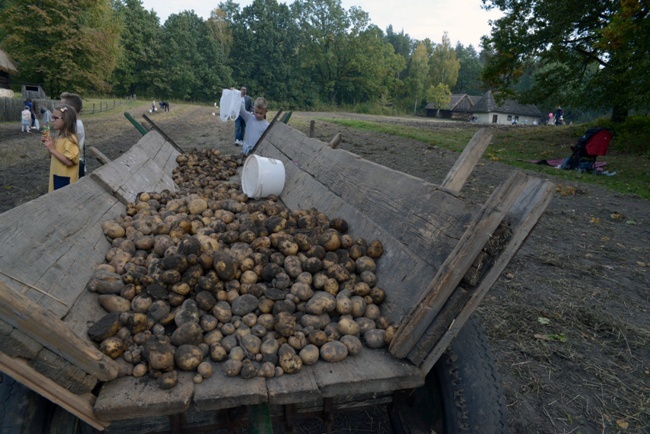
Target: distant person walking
559, 116
240, 122
46, 117
25, 120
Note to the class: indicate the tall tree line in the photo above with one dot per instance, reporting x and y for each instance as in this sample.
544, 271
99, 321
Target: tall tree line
309, 54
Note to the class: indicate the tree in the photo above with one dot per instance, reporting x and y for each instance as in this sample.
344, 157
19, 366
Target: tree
66, 45
469, 74
139, 65
439, 96
444, 64
598, 52
418, 72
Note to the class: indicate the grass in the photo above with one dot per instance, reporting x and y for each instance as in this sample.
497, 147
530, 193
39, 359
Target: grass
516, 145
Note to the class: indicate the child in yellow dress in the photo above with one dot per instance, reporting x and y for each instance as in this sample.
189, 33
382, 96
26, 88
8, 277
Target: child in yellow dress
64, 163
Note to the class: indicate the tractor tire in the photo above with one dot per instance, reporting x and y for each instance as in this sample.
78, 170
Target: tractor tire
462, 393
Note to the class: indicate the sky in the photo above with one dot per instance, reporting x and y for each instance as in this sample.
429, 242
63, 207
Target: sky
463, 20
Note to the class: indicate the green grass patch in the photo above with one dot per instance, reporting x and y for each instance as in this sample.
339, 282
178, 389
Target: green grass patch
515, 146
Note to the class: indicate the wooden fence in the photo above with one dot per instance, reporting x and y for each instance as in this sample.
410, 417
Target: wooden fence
10, 108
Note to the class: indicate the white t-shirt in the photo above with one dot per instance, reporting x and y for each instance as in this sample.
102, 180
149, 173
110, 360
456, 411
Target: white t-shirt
81, 135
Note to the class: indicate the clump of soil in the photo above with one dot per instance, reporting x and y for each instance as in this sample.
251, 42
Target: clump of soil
568, 320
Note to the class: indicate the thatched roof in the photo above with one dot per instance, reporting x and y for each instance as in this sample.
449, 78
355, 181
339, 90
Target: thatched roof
487, 104
6, 64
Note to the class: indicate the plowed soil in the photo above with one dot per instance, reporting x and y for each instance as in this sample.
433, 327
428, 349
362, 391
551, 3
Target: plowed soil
568, 320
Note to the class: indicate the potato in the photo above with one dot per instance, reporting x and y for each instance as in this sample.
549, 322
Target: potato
205, 369
232, 368
188, 357
375, 249
297, 341
267, 370
141, 303
353, 343
218, 353
343, 304
302, 290
375, 338
251, 343
114, 303
140, 370
168, 380
249, 369
348, 326
358, 306
372, 311
321, 302
365, 263
365, 324
113, 230
290, 363
330, 240
113, 347
159, 354
333, 351
309, 354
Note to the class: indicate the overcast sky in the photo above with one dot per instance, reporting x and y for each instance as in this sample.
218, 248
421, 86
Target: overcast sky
463, 20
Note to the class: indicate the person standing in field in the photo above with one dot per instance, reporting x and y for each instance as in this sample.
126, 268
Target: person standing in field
240, 123
46, 117
74, 100
64, 151
25, 120
256, 123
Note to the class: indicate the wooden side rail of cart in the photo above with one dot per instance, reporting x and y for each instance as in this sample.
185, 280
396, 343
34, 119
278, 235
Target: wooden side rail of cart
442, 254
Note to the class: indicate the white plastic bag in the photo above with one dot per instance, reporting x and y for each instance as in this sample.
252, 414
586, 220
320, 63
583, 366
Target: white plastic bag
37, 125
229, 104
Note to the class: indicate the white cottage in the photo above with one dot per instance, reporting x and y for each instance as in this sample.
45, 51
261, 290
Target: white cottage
487, 111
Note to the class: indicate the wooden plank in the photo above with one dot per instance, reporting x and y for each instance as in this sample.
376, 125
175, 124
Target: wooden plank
221, 391
131, 398
522, 218
56, 255
48, 330
336, 141
62, 372
99, 155
458, 262
79, 405
295, 388
467, 161
15, 343
370, 371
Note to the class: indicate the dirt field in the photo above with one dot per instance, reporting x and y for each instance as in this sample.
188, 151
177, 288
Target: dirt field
568, 320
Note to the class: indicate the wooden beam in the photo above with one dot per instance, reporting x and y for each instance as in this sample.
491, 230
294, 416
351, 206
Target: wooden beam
467, 161
99, 155
79, 405
336, 141
456, 265
48, 330
522, 218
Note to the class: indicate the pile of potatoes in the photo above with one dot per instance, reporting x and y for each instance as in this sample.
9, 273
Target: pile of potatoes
212, 276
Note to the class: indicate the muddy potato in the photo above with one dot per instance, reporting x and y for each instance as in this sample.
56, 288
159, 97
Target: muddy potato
168, 380
114, 303
113, 230
309, 354
372, 311
320, 303
222, 311
284, 323
317, 337
267, 370
188, 357
251, 343
390, 333
365, 263
365, 324
330, 240
310, 321
266, 320
205, 369
378, 295
249, 369
333, 351
375, 338
288, 247
113, 347
290, 363
353, 343
331, 286
375, 249
141, 303
232, 367
140, 370
358, 306
302, 290
218, 353
361, 289
343, 304
348, 326
292, 266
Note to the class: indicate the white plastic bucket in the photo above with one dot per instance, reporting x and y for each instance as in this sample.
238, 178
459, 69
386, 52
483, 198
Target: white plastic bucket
262, 176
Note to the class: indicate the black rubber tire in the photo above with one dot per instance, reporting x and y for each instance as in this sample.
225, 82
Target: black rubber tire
462, 393
23, 411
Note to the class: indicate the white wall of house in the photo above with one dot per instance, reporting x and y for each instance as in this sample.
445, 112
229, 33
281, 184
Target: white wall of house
504, 119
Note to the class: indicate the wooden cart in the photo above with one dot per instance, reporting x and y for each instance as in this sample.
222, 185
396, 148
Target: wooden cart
442, 254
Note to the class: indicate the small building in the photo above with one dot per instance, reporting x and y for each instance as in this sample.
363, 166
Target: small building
33, 91
7, 68
487, 111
